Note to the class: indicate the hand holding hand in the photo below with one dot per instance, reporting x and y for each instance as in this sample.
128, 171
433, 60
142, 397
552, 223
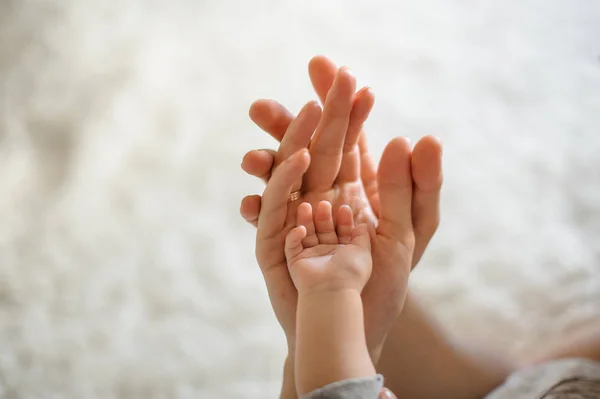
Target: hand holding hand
407, 184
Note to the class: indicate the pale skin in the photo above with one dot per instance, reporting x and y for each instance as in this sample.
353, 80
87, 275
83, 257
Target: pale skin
329, 263
416, 350
394, 239
421, 168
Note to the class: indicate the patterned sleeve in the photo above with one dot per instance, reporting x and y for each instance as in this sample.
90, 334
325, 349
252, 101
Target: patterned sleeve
357, 388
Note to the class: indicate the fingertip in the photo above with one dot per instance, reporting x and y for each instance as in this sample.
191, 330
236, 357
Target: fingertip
345, 73
322, 71
257, 107
258, 163
402, 142
301, 231
430, 143
305, 158
304, 212
271, 117
439, 142
325, 205
345, 210
321, 65
345, 216
312, 105
361, 108
319, 59
250, 207
297, 233
301, 156
395, 153
248, 159
323, 211
365, 95
252, 110
313, 112
426, 164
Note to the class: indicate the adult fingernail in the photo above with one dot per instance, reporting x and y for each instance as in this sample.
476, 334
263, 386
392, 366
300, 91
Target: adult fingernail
387, 394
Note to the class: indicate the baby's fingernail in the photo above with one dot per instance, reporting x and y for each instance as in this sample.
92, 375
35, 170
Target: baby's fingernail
387, 394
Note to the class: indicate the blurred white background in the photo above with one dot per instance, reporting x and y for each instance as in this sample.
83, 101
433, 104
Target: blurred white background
125, 270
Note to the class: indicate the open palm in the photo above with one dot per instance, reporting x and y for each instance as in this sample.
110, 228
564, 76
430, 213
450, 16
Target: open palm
327, 256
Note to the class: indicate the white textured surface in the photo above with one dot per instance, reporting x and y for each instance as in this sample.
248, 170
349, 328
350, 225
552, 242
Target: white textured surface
124, 267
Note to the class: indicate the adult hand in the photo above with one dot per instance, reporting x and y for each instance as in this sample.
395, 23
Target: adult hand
322, 181
388, 194
426, 159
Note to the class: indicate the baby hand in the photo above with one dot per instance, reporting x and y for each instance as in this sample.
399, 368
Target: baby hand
320, 258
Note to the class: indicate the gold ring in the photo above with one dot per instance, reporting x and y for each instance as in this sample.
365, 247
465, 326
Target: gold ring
295, 196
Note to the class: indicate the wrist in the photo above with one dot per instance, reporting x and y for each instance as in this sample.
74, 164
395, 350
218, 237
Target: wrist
324, 295
288, 388
291, 343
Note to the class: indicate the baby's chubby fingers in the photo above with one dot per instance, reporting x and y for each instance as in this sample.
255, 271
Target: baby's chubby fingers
345, 224
324, 225
293, 243
304, 217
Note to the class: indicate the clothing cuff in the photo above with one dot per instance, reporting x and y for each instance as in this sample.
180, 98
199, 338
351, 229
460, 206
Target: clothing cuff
355, 388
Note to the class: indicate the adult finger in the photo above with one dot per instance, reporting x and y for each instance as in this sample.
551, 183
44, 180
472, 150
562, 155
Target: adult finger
298, 135
368, 174
271, 117
394, 180
326, 147
361, 108
426, 168
275, 197
259, 163
250, 209
322, 73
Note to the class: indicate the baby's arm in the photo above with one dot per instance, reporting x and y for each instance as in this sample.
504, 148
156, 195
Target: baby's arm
329, 275
330, 340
